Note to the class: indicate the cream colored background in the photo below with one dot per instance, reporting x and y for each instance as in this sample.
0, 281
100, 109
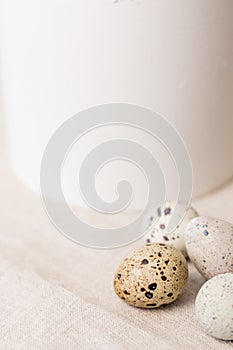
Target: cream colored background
57, 295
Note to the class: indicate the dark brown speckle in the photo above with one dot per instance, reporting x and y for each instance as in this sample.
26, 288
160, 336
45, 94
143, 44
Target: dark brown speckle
144, 262
152, 286
149, 295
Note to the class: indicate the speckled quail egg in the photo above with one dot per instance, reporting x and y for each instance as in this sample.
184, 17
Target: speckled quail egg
152, 276
214, 306
157, 221
209, 244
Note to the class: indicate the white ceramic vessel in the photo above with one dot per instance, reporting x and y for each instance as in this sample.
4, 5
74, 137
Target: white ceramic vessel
175, 57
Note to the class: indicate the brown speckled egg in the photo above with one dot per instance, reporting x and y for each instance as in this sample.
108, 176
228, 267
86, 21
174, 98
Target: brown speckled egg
209, 243
157, 221
152, 276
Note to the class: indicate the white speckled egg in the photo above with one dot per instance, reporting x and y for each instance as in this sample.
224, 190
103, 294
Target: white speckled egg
157, 223
214, 306
152, 276
209, 244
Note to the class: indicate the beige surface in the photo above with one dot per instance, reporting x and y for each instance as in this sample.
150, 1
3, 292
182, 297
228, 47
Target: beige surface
56, 295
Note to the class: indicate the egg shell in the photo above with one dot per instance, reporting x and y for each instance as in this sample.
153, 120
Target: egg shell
214, 306
157, 222
152, 276
209, 244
